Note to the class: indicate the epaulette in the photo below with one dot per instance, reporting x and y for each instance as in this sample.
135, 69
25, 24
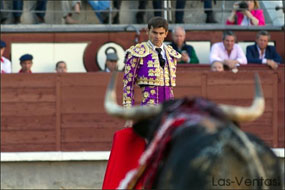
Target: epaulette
139, 50
173, 52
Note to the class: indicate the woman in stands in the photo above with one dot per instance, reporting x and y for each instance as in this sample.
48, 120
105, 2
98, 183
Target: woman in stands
246, 13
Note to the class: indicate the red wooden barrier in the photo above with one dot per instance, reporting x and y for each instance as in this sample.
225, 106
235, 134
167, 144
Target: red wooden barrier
64, 112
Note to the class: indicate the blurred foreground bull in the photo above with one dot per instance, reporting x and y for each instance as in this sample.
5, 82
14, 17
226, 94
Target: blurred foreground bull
196, 144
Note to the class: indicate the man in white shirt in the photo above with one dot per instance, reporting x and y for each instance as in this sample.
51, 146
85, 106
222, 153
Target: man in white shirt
5, 63
228, 52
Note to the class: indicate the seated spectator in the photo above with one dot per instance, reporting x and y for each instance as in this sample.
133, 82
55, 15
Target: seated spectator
61, 67
188, 54
246, 13
111, 62
67, 7
157, 4
26, 62
210, 17
217, 66
139, 16
101, 10
3, 14
100, 7
179, 14
220, 67
227, 51
5, 63
261, 52
40, 6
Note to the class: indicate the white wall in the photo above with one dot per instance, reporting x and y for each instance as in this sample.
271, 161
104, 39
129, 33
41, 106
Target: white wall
47, 54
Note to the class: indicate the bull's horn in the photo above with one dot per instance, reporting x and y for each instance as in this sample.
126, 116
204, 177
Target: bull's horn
134, 113
251, 113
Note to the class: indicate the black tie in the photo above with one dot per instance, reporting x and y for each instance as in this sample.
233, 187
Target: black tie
161, 60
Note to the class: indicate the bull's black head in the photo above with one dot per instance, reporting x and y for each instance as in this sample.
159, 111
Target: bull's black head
146, 128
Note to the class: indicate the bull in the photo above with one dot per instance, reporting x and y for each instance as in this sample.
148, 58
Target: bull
194, 143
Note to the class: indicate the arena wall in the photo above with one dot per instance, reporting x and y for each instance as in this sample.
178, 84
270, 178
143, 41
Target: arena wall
64, 112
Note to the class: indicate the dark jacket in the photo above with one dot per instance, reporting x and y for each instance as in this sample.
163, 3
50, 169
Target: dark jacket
252, 54
190, 51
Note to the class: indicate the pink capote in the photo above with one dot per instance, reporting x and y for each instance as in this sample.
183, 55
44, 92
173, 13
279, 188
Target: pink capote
126, 150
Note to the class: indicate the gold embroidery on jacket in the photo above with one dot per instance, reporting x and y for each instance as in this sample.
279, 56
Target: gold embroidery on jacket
140, 50
156, 75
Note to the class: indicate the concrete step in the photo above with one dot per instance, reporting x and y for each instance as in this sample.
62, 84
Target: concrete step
194, 12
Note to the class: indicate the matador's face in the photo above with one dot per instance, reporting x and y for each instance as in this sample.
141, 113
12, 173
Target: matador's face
157, 35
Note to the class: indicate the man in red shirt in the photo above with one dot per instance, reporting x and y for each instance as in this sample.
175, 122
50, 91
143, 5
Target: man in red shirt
26, 62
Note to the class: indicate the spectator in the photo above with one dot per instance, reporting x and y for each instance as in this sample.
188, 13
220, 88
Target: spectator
5, 63
261, 52
246, 13
67, 7
227, 51
179, 14
111, 62
220, 67
210, 17
40, 6
117, 6
61, 67
157, 4
26, 62
101, 10
217, 66
3, 15
139, 16
187, 51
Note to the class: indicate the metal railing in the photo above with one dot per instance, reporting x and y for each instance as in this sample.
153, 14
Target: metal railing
167, 12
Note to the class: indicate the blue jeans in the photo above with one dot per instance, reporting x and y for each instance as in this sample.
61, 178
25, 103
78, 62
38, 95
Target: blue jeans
99, 6
40, 6
207, 5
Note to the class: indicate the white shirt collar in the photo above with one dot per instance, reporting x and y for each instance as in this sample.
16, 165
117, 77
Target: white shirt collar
224, 48
153, 46
261, 56
161, 47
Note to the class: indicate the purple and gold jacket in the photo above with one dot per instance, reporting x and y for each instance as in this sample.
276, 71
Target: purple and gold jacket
142, 68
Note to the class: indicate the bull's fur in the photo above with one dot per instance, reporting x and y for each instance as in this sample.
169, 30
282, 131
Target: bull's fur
207, 150
213, 154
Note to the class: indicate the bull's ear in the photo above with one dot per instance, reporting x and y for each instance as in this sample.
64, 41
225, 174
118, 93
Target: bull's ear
142, 128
